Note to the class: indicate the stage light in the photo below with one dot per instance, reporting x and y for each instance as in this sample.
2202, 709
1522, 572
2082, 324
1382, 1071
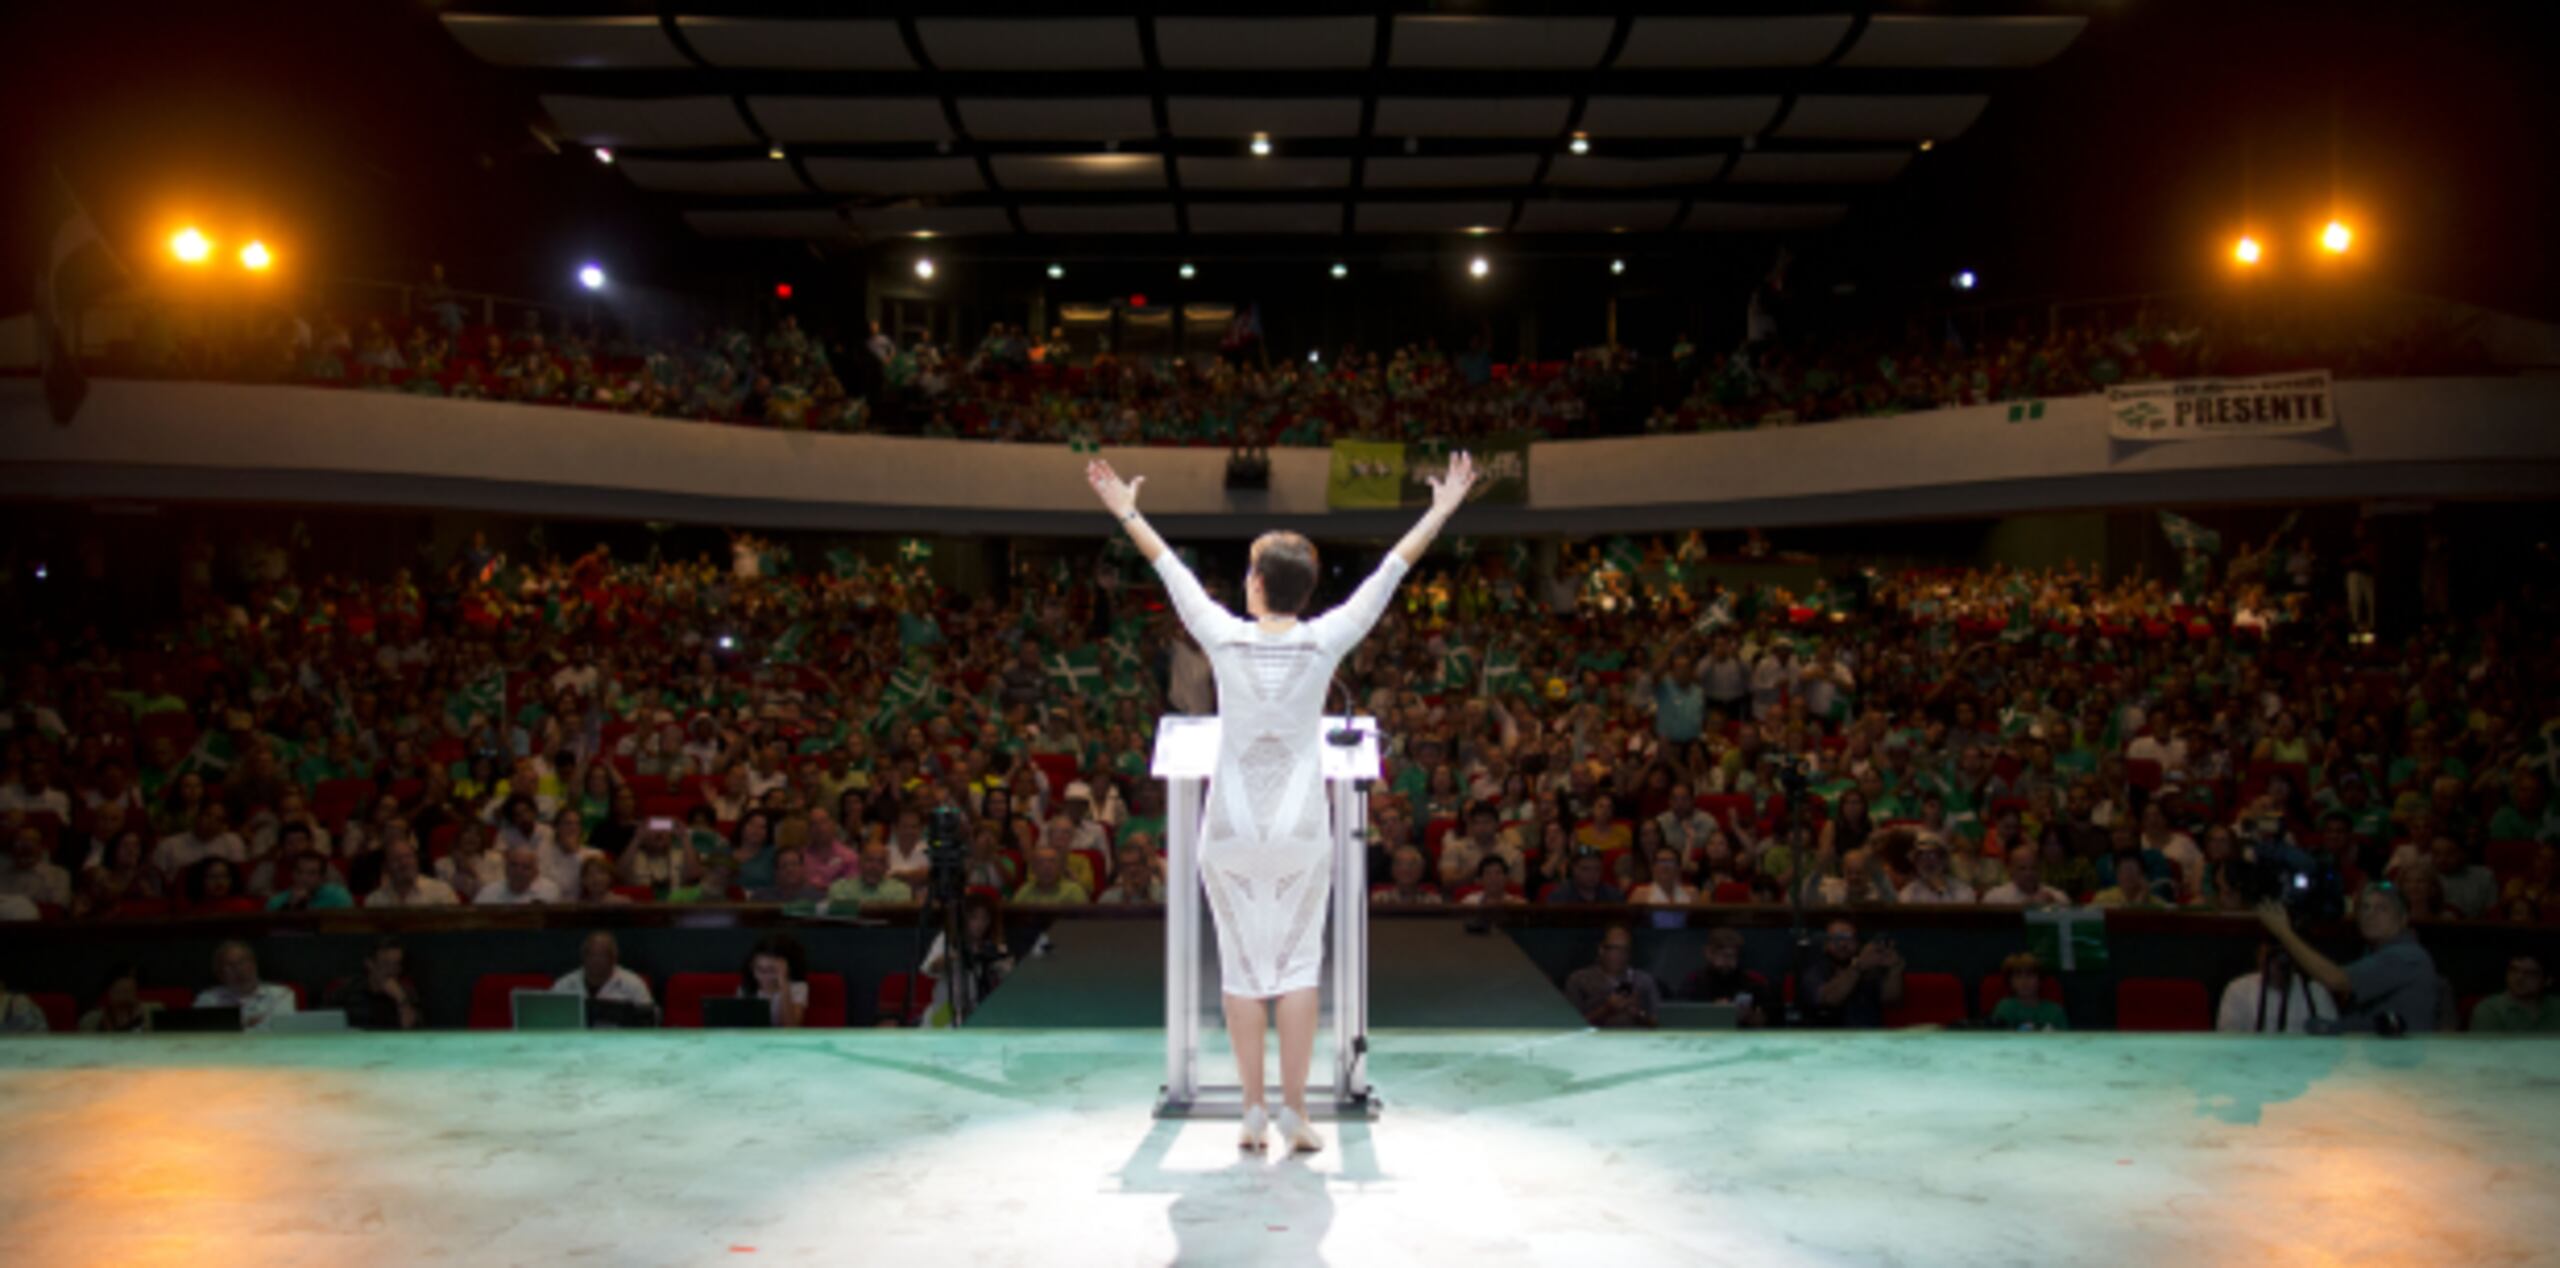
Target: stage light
1340, 270
591, 277
1057, 271
1313, 357
924, 268
782, 290
774, 152
1187, 271
1617, 267
1580, 144
255, 258
1964, 280
43, 572
1927, 145
1478, 267
604, 155
190, 246
728, 643
1261, 144
2245, 250
2335, 238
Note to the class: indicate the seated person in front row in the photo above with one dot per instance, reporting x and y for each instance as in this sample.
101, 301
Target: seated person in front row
382, 999
2524, 1007
1405, 887
778, 971
616, 996
1725, 981
2025, 1007
1612, 993
1850, 985
235, 967
1493, 881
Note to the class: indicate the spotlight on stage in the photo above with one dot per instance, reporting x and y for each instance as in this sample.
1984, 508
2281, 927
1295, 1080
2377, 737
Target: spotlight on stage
255, 257
591, 277
1964, 280
924, 268
1478, 267
2245, 251
190, 246
2336, 238
1057, 271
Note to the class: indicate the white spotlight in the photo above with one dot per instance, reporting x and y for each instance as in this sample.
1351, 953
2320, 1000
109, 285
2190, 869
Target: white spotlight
1313, 357
1057, 271
1479, 266
604, 155
1261, 144
1964, 280
1187, 271
1341, 270
1580, 144
924, 268
591, 277
1617, 267
774, 152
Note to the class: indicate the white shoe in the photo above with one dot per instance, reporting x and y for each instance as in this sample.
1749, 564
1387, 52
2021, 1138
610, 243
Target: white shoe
1257, 1123
1301, 1136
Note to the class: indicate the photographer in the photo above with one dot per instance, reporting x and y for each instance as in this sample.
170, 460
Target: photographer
1849, 985
2274, 1000
1611, 994
2393, 988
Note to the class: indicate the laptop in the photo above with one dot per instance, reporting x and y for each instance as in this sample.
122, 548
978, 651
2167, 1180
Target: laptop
1688, 1016
731, 1012
191, 1020
547, 1010
318, 1021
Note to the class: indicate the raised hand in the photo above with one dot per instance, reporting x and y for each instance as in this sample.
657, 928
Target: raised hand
1449, 488
1118, 496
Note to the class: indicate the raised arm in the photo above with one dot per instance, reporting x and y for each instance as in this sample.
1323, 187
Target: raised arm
1448, 493
1199, 612
1120, 497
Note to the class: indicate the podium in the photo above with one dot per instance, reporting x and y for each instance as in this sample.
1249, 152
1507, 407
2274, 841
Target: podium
1186, 755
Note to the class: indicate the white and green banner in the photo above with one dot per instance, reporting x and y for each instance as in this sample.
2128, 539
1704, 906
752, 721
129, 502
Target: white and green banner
2213, 409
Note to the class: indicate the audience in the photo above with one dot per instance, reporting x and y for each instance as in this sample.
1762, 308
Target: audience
1610, 993
1724, 981
778, 972
236, 985
121, 1010
2522, 1008
1850, 985
381, 999
2025, 1007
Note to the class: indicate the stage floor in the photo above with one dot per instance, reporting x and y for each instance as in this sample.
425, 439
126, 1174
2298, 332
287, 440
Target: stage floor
1035, 1148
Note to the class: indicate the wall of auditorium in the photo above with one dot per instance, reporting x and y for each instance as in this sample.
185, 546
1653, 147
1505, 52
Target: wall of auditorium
2447, 439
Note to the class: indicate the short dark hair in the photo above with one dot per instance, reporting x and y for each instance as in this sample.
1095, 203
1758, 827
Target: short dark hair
1287, 563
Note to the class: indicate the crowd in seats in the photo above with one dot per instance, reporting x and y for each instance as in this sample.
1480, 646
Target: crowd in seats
1610, 726
1014, 386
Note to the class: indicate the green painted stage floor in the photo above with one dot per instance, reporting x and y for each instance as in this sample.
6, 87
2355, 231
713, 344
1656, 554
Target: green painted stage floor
1035, 1148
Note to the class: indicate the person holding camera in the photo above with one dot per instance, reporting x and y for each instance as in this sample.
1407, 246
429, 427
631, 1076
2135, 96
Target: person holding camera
2392, 988
1610, 993
1850, 986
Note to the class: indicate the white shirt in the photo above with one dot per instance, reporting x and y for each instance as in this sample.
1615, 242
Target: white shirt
1950, 890
560, 866
1767, 678
267, 1000
489, 869
499, 895
177, 853
624, 987
1680, 895
52, 801
1726, 680
429, 892
903, 859
2239, 1014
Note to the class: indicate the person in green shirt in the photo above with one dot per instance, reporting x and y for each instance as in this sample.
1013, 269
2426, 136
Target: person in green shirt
717, 883
1050, 886
2528, 814
871, 884
2026, 1008
311, 889
2523, 1008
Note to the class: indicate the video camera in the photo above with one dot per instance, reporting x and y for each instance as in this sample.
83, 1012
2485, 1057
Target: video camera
946, 849
2309, 887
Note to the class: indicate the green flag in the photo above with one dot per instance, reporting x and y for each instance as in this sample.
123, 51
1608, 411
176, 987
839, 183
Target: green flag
845, 562
1623, 555
1457, 668
792, 647
484, 697
1078, 670
915, 550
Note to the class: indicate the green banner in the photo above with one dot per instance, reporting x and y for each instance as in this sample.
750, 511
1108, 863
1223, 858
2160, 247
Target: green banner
1369, 474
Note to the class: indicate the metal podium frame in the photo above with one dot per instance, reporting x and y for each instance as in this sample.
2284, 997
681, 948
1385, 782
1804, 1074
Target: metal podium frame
1185, 754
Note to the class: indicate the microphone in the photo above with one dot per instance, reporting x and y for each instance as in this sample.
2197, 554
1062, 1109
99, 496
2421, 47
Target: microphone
1345, 735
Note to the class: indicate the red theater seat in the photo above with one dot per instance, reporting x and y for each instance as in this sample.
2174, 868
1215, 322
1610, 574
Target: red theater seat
2162, 1003
166, 996
686, 991
1928, 999
893, 997
61, 1012
492, 997
826, 1002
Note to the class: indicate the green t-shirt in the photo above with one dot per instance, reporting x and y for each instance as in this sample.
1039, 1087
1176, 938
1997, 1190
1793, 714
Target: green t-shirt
2503, 1014
2018, 1014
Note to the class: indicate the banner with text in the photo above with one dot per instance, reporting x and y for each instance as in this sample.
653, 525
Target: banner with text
1369, 474
2211, 409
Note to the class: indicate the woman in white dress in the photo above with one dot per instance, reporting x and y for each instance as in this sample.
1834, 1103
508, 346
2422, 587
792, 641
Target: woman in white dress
1265, 847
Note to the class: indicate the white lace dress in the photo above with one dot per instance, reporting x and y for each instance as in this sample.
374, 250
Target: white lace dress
1266, 843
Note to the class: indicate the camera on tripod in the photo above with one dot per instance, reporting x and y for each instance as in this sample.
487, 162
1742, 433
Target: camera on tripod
946, 850
2272, 868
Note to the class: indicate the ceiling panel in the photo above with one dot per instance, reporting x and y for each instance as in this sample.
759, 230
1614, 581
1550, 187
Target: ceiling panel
767, 224
762, 44
1454, 171
1265, 173
667, 122
1672, 43
1935, 43
1605, 117
1845, 167
1153, 218
1594, 170
1472, 116
940, 222
1078, 171
1266, 218
1431, 217
1282, 117
1750, 217
731, 176
1558, 216
618, 43
1265, 43
829, 119
1499, 43
1031, 43
1882, 118
896, 176
1058, 118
